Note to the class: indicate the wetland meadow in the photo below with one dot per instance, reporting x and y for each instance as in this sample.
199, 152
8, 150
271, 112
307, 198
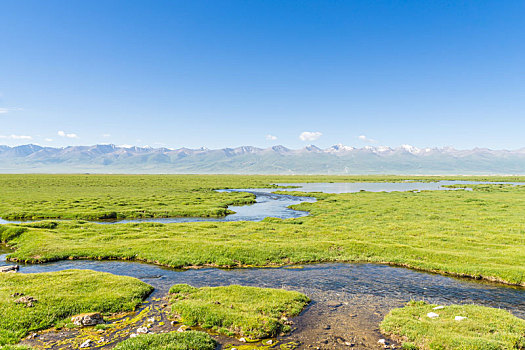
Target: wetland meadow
262, 262
262, 175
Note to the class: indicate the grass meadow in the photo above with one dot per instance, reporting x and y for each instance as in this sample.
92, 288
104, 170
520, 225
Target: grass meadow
476, 233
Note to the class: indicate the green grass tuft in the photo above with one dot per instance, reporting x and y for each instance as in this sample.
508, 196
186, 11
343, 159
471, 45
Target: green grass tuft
248, 311
60, 295
190, 340
9, 233
484, 328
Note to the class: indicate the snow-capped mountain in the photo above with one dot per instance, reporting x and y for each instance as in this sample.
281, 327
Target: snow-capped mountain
337, 159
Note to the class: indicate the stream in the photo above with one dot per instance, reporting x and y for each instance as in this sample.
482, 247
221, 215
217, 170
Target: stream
349, 300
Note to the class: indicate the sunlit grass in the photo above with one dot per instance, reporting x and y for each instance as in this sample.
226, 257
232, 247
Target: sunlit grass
190, 340
247, 311
60, 295
483, 327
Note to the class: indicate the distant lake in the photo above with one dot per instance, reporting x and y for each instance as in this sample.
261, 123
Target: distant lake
352, 187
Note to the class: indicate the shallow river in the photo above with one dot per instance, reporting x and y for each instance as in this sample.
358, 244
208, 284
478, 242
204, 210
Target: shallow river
348, 300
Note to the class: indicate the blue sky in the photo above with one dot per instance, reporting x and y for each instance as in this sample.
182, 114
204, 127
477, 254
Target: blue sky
230, 73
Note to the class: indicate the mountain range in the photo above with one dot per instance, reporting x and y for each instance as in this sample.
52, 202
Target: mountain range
338, 159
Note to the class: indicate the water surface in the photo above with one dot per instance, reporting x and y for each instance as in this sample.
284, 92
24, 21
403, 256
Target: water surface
348, 300
352, 187
346, 280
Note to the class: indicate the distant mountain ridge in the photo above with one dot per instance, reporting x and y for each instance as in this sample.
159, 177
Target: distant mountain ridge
338, 159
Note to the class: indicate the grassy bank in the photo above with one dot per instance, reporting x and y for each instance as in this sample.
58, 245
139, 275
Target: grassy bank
247, 311
476, 233
190, 340
483, 328
60, 295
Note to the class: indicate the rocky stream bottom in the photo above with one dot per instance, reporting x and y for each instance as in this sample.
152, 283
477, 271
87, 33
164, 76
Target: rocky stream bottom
348, 302
327, 325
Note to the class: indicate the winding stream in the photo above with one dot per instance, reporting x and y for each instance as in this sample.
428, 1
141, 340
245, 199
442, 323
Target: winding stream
348, 300
267, 204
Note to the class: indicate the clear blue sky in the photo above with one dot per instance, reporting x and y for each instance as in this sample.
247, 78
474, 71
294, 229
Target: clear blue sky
229, 73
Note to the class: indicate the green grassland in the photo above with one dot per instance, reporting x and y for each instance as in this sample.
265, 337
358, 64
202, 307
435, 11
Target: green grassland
95, 197
189, 340
478, 233
60, 295
483, 328
247, 311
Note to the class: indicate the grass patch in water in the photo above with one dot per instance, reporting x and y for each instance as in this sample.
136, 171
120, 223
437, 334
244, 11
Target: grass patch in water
190, 340
483, 328
247, 311
60, 295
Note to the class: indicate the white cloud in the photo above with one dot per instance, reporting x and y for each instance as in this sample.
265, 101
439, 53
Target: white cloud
16, 137
310, 135
48, 139
366, 139
271, 137
63, 134
7, 110
20, 137
106, 135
